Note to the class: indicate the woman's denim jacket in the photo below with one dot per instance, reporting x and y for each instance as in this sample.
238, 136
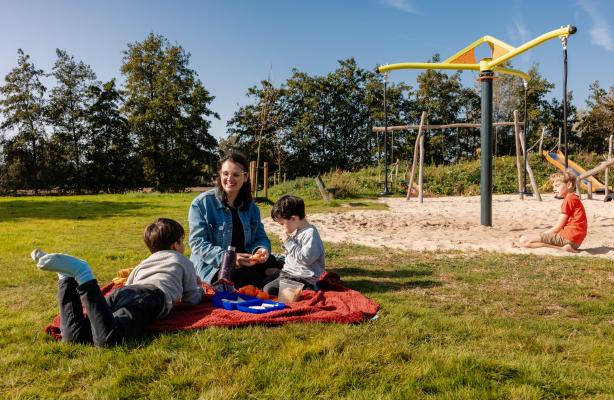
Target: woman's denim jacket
211, 232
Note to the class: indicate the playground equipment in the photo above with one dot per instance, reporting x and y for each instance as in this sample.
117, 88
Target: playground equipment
466, 60
419, 149
589, 183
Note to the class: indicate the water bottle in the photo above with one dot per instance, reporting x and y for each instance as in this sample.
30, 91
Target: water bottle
228, 264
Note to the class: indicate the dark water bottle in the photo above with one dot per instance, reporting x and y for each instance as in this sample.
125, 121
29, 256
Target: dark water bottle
228, 264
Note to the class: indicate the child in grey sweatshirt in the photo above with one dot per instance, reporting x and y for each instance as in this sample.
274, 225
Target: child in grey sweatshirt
162, 280
305, 258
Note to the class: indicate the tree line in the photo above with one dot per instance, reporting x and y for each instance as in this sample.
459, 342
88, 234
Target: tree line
83, 135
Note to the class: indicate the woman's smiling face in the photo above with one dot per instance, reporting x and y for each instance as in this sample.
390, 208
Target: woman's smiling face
232, 177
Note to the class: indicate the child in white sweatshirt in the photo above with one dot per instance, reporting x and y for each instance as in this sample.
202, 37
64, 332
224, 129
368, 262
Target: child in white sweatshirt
163, 279
304, 251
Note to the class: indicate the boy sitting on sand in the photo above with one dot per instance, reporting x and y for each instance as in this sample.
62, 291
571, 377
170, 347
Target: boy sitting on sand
153, 287
571, 228
301, 241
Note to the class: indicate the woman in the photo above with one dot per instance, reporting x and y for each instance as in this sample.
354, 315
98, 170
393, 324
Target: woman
227, 216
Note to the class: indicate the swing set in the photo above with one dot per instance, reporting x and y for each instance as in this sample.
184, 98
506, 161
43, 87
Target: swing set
465, 59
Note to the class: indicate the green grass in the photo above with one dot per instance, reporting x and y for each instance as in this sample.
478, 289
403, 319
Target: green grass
452, 325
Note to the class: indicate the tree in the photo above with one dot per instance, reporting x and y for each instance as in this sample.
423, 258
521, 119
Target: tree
597, 123
255, 125
112, 163
314, 124
22, 108
68, 114
166, 106
440, 95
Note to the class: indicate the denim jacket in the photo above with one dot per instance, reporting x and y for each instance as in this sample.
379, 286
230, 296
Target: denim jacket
211, 232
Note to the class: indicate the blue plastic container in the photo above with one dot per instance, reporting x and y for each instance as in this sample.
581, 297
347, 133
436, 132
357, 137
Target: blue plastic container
229, 300
260, 306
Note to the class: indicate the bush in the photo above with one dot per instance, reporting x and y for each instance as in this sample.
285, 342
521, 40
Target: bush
462, 179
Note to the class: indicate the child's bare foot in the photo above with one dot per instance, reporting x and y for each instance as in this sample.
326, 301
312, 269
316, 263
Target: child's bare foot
570, 249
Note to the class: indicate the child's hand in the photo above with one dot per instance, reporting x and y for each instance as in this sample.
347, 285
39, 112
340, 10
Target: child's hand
283, 237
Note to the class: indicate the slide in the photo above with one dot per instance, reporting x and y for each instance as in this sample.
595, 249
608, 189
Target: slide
558, 160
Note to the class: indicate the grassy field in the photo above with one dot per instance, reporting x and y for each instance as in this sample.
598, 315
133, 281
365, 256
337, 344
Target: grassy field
452, 325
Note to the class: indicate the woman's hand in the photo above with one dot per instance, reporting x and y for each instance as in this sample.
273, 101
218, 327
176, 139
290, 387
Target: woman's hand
260, 256
244, 260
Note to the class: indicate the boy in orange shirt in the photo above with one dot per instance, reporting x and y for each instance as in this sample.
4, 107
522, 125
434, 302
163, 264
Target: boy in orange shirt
570, 230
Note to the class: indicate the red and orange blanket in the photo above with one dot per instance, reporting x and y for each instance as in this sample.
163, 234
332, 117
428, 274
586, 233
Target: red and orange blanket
333, 303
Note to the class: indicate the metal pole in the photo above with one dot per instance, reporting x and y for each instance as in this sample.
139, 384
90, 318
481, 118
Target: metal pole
564, 41
524, 136
486, 78
386, 135
386, 192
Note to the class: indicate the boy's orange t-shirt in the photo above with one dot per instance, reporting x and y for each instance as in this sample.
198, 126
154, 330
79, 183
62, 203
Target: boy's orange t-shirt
576, 226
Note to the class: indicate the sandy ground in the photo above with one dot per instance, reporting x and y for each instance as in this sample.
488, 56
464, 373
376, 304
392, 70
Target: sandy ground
453, 223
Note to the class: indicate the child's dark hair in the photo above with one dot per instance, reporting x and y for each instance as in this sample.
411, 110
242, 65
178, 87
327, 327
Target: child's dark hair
162, 233
244, 198
287, 206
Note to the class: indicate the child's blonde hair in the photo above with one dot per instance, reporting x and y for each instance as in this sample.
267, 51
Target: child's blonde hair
565, 177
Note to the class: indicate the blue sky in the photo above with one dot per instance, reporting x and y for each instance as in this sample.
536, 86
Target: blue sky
236, 43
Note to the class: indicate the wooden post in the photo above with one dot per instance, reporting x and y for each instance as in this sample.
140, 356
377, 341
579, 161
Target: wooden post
392, 145
322, 188
578, 191
541, 140
607, 183
420, 171
266, 179
284, 177
518, 149
255, 181
416, 147
252, 165
589, 192
530, 172
603, 165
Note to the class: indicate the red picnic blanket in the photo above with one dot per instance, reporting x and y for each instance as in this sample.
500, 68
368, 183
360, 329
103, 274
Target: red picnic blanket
333, 303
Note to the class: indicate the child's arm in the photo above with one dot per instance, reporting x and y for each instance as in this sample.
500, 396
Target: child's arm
304, 251
200, 240
560, 224
192, 291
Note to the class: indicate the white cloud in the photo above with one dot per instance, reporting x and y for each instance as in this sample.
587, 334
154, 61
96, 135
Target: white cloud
601, 33
520, 35
403, 5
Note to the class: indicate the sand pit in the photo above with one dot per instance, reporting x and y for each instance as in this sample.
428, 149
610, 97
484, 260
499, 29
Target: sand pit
453, 223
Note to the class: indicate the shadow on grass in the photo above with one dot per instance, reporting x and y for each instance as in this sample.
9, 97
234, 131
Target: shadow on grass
378, 286
346, 272
66, 209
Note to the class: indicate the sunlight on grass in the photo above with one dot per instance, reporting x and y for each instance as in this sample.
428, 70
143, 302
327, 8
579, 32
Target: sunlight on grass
452, 325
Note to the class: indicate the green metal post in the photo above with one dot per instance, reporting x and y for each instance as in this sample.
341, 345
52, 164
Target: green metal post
486, 78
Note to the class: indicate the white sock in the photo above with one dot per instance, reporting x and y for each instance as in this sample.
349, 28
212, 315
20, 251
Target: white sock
66, 266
